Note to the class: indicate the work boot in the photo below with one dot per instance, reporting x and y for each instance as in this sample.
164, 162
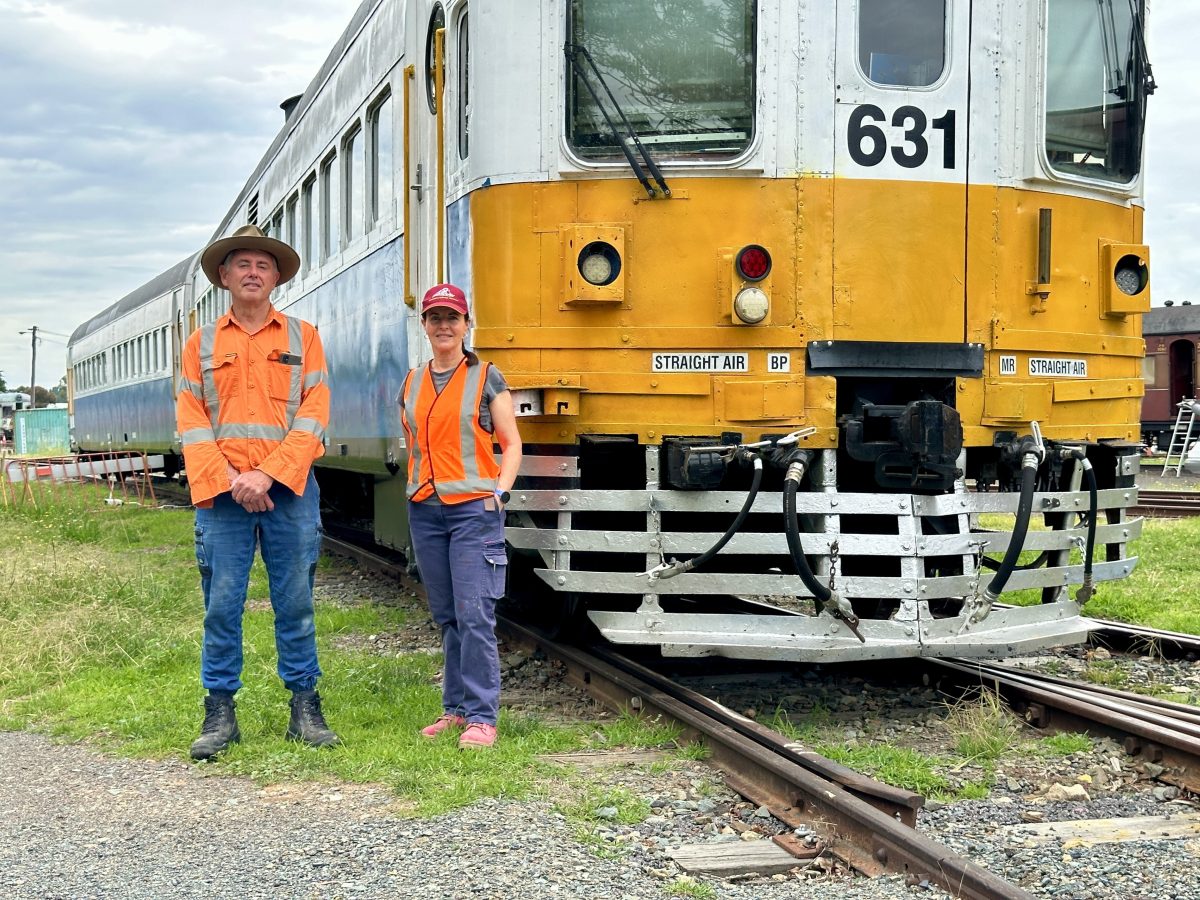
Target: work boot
220, 728
308, 724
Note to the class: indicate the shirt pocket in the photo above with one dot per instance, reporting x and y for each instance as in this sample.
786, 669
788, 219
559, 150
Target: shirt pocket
279, 379
495, 569
222, 372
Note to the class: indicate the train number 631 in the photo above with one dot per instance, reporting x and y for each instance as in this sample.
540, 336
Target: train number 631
868, 144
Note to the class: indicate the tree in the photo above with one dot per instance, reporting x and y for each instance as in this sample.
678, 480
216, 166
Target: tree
60, 390
3, 386
42, 398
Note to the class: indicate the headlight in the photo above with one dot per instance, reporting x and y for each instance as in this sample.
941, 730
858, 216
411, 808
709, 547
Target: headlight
599, 263
751, 305
1130, 275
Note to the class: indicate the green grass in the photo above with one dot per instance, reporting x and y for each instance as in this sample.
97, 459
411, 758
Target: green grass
1065, 743
100, 631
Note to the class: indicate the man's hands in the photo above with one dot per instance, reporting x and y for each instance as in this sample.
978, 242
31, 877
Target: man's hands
250, 489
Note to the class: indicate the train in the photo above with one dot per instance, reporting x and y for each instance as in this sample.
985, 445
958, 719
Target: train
822, 317
1172, 335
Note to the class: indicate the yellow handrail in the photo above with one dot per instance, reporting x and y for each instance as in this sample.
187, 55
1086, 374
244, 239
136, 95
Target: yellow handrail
409, 74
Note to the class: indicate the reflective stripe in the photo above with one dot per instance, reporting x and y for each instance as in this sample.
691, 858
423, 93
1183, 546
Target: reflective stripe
312, 379
248, 430
466, 430
192, 387
411, 398
309, 426
296, 347
208, 342
196, 436
470, 486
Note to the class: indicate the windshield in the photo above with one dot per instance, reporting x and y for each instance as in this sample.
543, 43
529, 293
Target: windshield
681, 70
1097, 80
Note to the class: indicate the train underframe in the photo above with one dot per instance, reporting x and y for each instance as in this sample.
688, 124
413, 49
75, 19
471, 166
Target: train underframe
901, 540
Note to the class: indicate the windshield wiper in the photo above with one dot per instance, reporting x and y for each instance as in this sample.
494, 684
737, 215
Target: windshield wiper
1139, 35
573, 52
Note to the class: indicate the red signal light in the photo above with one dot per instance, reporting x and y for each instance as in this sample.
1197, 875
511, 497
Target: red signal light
753, 262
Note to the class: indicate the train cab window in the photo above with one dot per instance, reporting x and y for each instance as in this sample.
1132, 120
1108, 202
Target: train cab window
464, 88
902, 43
683, 78
354, 169
329, 207
309, 223
1097, 81
379, 127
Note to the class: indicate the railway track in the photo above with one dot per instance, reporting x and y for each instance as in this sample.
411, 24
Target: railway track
1167, 503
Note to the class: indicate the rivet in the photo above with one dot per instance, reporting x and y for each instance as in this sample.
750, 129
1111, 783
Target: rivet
562, 539
833, 502
562, 500
562, 579
908, 588
654, 384
649, 434
510, 337
625, 339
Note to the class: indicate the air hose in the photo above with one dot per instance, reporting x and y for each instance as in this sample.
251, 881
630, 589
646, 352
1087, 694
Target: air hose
1086, 589
678, 568
1029, 467
791, 486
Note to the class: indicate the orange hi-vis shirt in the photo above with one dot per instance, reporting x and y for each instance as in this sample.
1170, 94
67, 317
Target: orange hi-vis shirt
449, 452
254, 401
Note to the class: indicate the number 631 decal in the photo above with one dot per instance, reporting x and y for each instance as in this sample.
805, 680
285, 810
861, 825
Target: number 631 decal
868, 143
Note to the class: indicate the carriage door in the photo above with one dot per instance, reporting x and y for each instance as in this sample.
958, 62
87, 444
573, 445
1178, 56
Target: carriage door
900, 170
426, 265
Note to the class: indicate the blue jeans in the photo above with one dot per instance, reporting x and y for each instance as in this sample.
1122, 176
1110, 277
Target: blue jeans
290, 539
460, 553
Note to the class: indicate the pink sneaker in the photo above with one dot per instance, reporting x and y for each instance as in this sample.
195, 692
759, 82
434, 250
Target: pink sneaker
445, 720
478, 736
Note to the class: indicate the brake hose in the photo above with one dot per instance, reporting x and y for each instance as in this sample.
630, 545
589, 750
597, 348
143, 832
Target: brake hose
1085, 590
1029, 467
678, 568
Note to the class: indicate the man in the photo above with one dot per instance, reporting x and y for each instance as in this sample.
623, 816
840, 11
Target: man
252, 409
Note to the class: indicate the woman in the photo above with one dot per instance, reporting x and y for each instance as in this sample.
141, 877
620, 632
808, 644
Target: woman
451, 408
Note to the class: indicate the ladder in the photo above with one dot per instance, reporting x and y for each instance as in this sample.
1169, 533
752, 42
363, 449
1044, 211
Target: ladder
1181, 437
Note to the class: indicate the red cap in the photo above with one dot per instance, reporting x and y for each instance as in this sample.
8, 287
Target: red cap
447, 295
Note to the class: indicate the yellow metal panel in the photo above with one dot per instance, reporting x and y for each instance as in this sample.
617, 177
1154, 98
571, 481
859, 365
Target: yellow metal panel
1072, 342
898, 260
1107, 389
697, 385
751, 401
1005, 402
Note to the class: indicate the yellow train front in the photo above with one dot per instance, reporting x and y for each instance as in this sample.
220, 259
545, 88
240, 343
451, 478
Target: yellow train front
831, 308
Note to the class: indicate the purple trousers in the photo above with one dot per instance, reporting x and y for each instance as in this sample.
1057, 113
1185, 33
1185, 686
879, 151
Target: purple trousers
461, 558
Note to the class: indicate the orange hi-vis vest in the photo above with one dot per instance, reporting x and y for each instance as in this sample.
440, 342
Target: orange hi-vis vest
251, 401
449, 452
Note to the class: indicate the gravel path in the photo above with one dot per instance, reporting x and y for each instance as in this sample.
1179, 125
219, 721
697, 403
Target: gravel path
77, 824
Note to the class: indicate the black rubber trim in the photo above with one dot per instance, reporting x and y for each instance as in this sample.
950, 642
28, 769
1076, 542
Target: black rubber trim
894, 359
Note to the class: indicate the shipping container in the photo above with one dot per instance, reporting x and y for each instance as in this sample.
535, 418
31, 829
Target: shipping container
41, 432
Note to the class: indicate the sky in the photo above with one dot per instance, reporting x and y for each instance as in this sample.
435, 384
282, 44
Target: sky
125, 134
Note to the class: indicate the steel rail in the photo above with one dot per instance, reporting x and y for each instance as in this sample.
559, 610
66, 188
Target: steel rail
771, 773
1160, 731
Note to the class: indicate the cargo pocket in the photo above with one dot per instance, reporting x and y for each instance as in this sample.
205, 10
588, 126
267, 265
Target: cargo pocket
201, 556
495, 569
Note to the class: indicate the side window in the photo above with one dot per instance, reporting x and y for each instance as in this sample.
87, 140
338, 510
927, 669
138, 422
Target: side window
437, 21
464, 87
329, 207
379, 120
354, 165
1097, 81
290, 222
902, 43
308, 202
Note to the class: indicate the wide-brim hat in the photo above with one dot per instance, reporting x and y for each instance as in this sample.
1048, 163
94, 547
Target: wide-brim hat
249, 237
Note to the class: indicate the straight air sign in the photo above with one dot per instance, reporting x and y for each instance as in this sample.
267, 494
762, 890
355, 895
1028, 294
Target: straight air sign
1047, 367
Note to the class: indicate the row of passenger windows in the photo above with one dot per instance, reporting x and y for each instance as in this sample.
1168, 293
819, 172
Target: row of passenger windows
345, 196
133, 359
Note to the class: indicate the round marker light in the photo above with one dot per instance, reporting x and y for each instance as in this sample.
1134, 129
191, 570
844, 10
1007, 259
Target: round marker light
1130, 275
753, 262
751, 305
599, 263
